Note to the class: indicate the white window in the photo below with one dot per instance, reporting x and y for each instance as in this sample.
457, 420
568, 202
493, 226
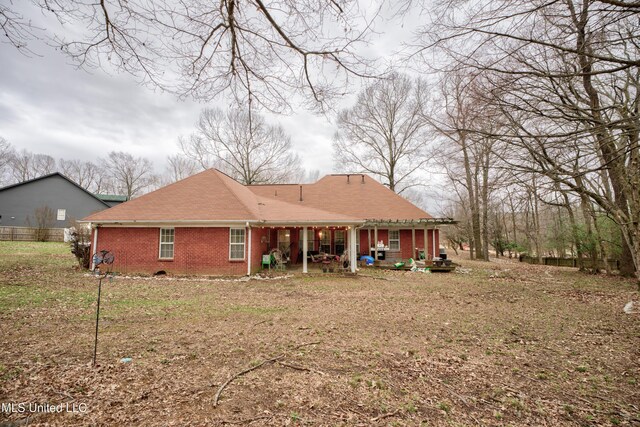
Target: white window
394, 240
236, 243
338, 242
309, 239
284, 241
167, 236
357, 241
62, 214
325, 240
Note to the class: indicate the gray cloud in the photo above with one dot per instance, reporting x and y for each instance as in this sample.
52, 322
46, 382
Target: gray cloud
47, 105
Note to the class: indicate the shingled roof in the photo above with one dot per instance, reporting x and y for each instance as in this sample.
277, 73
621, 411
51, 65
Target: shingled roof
358, 196
212, 196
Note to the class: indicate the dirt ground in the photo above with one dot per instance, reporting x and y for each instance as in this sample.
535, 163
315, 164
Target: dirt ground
497, 343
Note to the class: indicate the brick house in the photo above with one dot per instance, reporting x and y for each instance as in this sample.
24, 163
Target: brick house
211, 224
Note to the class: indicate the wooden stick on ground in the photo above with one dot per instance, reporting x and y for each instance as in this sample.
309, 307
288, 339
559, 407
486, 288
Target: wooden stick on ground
387, 415
299, 368
305, 344
241, 373
264, 362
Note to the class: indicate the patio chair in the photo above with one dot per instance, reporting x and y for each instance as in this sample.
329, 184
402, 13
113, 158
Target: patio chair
278, 259
345, 262
266, 261
315, 258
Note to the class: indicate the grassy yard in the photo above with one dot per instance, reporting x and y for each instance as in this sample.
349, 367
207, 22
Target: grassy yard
500, 344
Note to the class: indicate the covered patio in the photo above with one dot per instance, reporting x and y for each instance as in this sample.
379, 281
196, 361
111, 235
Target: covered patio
337, 245
307, 245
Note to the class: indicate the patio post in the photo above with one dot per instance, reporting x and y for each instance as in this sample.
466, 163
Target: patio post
425, 245
433, 236
352, 249
375, 244
305, 249
413, 242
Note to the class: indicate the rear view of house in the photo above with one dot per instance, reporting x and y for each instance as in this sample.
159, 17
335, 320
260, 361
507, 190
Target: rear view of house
211, 224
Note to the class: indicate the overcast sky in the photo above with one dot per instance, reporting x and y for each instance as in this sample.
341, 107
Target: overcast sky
49, 106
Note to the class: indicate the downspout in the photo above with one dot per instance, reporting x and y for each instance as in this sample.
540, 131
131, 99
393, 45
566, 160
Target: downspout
95, 249
249, 252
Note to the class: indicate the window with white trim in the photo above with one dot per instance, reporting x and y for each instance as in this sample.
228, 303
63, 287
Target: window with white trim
325, 240
357, 241
338, 242
62, 214
167, 237
394, 240
309, 239
236, 243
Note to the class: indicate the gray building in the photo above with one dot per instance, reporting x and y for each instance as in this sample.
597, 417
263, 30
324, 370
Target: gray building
21, 204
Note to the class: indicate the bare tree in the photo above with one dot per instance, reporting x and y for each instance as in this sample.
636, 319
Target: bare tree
86, 174
384, 132
6, 154
179, 167
16, 28
311, 176
132, 176
565, 78
244, 146
43, 220
259, 51
463, 123
26, 165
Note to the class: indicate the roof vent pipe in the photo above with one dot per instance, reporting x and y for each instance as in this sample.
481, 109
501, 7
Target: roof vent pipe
362, 179
301, 193
348, 179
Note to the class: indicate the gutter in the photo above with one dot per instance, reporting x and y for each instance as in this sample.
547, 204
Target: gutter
201, 223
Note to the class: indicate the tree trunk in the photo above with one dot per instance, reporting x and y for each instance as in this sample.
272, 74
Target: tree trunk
474, 242
485, 201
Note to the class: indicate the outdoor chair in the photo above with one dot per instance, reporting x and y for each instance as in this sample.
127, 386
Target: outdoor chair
344, 261
278, 259
316, 258
266, 261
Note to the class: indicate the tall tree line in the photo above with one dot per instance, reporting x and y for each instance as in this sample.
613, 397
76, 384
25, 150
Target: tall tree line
119, 173
561, 82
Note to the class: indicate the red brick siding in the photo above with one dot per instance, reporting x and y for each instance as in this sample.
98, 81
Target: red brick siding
406, 243
258, 247
196, 251
364, 243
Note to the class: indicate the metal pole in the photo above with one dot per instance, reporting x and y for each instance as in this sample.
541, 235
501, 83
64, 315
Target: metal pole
95, 347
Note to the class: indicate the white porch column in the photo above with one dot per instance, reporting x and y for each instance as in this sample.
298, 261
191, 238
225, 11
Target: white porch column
375, 243
426, 244
352, 249
433, 238
249, 254
305, 249
413, 242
